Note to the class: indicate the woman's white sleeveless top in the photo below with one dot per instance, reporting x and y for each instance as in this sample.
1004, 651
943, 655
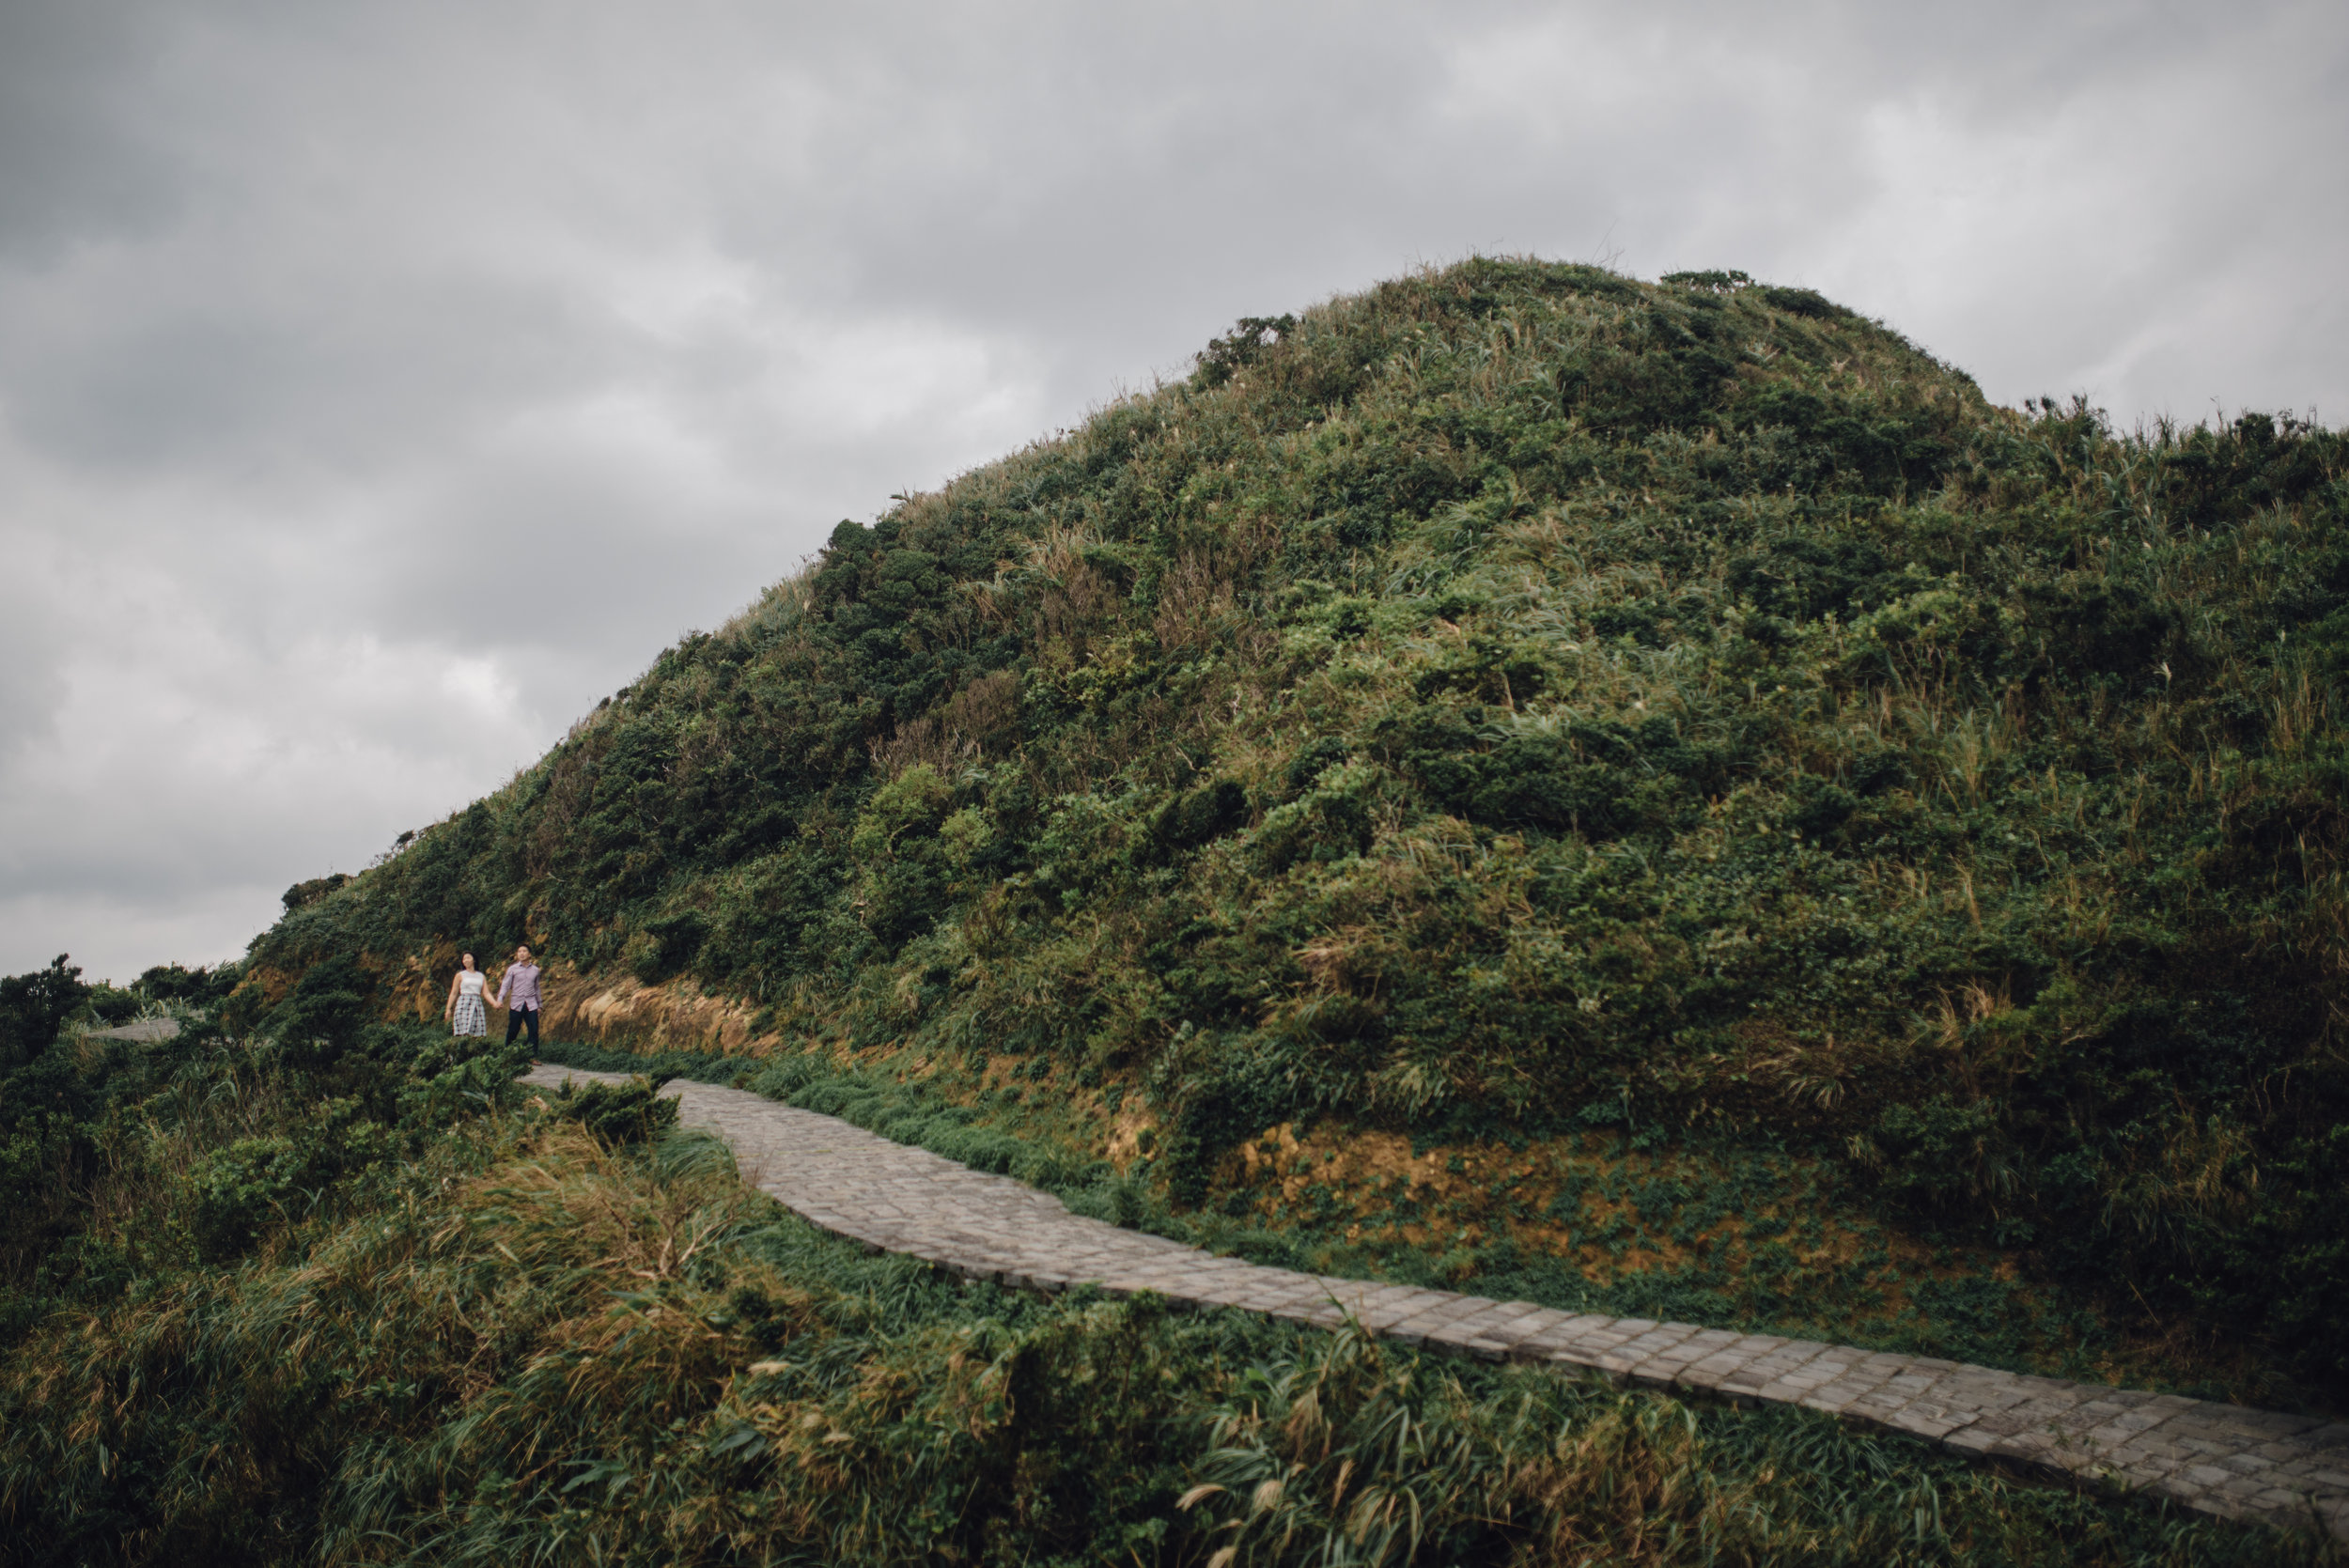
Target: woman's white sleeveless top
468, 981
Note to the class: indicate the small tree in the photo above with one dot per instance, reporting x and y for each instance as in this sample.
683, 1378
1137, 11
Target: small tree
33, 1007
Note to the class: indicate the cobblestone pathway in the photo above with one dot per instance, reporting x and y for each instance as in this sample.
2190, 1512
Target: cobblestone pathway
146, 1031
2223, 1459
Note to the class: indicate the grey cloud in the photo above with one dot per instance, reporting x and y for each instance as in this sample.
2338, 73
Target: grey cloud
34, 628
76, 163
203, 364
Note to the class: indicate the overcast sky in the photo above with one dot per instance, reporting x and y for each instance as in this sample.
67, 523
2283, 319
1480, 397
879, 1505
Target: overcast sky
381, 385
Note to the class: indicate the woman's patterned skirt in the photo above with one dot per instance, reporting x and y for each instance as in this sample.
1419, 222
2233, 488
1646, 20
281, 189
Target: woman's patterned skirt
471, 1017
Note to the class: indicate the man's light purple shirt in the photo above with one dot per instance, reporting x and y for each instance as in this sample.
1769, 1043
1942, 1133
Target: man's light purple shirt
519, 987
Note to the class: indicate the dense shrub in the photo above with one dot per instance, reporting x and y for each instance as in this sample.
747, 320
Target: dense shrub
617, 1114
33, 1007
121, 1157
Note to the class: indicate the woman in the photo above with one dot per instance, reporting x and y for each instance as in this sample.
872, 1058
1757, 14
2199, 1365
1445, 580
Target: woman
464, 1001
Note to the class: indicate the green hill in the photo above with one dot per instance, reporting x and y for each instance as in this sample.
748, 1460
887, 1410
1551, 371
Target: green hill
1657, 791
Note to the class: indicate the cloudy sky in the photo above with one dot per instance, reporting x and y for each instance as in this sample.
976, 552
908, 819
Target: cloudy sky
380, 385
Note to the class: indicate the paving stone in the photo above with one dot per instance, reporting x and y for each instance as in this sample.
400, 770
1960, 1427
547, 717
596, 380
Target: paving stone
1844, 1391
1525, 1320
1924, 1423
1656, 1341
2219, 1458
1743, 1351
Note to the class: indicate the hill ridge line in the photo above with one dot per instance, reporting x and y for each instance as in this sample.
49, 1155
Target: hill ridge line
2222, 1459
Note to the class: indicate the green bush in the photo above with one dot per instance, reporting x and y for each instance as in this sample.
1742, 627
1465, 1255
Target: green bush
327, 1012
618, 1115
242, 1192
34, 1007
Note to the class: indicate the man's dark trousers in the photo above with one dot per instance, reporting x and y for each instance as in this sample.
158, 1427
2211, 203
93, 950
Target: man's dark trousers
514, 1021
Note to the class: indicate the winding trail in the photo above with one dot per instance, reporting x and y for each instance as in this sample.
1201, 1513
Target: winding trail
2291, 1471
144, 1031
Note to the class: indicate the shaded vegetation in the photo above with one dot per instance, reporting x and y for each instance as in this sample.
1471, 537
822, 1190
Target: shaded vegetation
1520, 704
478, 1329
122, 1161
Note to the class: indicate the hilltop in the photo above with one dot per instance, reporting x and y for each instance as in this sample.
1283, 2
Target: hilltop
1654, 792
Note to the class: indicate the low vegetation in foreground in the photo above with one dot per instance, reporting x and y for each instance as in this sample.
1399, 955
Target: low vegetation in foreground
449, 1321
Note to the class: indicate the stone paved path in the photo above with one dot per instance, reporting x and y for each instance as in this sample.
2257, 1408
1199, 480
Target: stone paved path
2224, 1459
146, 1031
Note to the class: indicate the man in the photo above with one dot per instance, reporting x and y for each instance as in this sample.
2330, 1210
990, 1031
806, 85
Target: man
518, 990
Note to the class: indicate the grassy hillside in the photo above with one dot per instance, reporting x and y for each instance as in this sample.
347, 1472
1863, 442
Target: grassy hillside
1524, 770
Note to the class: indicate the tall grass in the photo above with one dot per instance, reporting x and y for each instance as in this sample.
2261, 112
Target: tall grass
537, 1347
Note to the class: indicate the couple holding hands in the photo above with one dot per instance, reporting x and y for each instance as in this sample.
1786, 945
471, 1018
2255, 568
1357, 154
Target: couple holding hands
517, 991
